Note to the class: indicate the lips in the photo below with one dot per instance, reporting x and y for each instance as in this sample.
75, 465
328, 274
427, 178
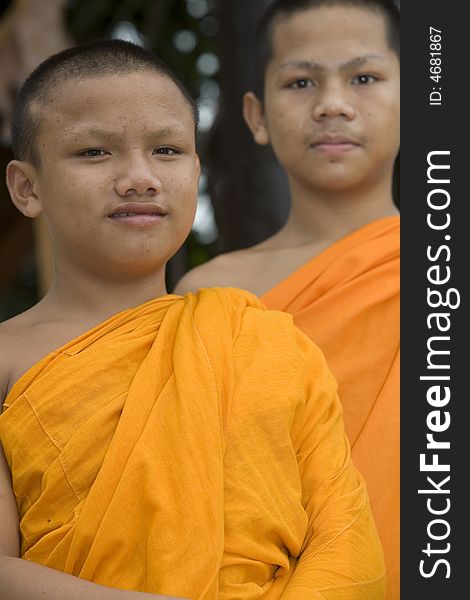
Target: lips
138, 215
136, 209
334, 145
335, 140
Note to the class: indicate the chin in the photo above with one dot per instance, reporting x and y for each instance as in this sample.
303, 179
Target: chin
134, 265
334, 183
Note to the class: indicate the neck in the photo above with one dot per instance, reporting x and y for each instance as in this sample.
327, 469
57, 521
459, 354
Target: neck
91, 299
325, 217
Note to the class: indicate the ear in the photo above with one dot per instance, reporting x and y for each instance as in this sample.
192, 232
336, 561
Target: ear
20, 182
254, 117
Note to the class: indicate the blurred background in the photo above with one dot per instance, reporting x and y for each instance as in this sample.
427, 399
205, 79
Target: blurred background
243, 195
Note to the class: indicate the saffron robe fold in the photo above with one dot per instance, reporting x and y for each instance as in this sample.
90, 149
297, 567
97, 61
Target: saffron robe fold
346, 299
192, 447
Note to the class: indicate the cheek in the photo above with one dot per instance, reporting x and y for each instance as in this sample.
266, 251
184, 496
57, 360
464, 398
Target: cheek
67, 188
286, 128
183, 191
185, 185
383, 124
392, 126
389, 112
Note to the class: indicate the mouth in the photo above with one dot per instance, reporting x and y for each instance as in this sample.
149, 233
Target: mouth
335, 144
138, 213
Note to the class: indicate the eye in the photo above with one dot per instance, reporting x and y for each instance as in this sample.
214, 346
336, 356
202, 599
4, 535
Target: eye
364, 79
93, 153
300, 84
166, 151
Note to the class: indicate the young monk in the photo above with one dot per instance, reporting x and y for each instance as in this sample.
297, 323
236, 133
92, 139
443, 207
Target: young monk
328, 103
157, 444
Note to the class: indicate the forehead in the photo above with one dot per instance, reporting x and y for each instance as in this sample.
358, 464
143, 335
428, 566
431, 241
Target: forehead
329, 34
117, 101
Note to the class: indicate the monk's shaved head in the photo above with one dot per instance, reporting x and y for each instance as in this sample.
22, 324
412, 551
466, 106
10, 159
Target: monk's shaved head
105, 57
282, 9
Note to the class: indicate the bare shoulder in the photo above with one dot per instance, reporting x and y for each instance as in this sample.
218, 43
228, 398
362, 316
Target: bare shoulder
256, 269
9, 350
221, 271
19, 348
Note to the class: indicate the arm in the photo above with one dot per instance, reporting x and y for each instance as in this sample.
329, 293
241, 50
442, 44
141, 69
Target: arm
25, 580
341, 558
288, 469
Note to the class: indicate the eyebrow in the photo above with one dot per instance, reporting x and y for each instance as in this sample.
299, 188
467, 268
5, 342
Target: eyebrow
106, 134
314, 66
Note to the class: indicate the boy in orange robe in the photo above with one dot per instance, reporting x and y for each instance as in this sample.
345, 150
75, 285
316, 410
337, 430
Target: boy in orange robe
327, 101
157, 445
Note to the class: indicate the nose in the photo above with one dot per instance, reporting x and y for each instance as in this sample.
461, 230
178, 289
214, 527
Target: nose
138, 178
333, 101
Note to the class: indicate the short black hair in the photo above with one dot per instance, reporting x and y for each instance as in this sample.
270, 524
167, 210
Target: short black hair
101, 57
262, 47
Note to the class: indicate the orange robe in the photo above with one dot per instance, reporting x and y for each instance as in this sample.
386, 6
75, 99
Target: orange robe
346, 299
192, 447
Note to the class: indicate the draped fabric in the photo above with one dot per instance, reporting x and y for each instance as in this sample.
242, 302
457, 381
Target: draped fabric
192, 447
346, 300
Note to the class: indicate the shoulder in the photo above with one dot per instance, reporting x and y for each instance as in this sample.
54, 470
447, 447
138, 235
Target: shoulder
252, 324
8, 343
262, 327
4, 370
210, 306
261, 346
220, 271
15, 341
228, 312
